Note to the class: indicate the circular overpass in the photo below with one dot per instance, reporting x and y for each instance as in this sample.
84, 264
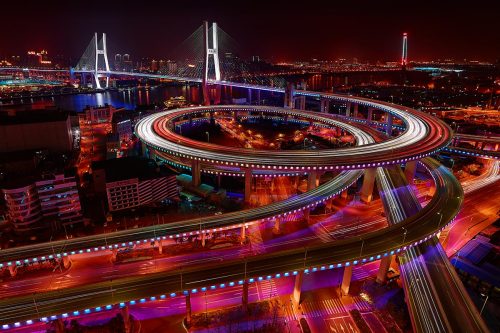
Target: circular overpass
423, 135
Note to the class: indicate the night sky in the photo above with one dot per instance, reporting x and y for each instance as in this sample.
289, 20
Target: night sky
276, 30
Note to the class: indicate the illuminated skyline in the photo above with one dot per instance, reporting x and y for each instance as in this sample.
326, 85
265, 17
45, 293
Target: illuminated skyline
366, 30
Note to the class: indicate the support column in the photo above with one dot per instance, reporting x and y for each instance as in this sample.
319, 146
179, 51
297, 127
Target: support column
410, 171
368, 183
302, 102
160, 246
388, 130
126, 318
244, 297
348, 109
289, 96
369, 118
66, 262
13, 270
346, 280
218, 94
188, 309
312, 180
297, 289
258, 97
235, 116
243, 234
195, 173
385, 263
249, 96
277, 227
248, 184
356, 106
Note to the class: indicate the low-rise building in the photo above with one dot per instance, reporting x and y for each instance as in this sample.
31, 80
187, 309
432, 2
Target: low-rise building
35, 129
99, 114
133, 181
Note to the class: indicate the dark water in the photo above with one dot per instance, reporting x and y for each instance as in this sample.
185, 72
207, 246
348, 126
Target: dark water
132, 98
129, 99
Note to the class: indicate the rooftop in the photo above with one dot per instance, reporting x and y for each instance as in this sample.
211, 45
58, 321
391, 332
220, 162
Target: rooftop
118, 169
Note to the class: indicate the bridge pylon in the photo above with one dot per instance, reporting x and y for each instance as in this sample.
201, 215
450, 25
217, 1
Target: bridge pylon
210, 50
100, 49
95, 61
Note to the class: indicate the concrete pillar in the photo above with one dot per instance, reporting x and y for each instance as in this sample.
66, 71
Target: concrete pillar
344, 194
203, 239
496, 147
385, 263
368, 183
388, 130
410, 171
277, 227
483, 145
160, 246
218, 94
297, 288
346, 280
249, 96
126, 318
235, 116
219, 178
369, 118
248, 184
324, 105
289, 96
188, 309
195, 173
348, 109
59, 326
312, 180
258, 97
243, 234
114, 252
66, 262
356, 106
244, 297
13, 270
302, 102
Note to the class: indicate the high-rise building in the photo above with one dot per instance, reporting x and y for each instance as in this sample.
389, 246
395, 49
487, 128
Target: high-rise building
127, 63
118, 62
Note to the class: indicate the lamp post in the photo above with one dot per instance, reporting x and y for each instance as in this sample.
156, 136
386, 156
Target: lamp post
208, 136
484, 304
404, 234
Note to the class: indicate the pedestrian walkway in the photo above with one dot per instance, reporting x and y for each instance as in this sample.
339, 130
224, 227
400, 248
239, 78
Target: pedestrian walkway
323, 308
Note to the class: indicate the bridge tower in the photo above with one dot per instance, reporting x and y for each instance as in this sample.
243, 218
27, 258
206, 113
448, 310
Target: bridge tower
91, 61
210, 50
404, 54
100, 49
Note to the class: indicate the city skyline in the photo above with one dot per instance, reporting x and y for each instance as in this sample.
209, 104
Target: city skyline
326, 31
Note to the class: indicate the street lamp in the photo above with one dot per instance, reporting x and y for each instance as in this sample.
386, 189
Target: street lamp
484, 304
404, 234
305, 139
361, 251
208, 136
440, 219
